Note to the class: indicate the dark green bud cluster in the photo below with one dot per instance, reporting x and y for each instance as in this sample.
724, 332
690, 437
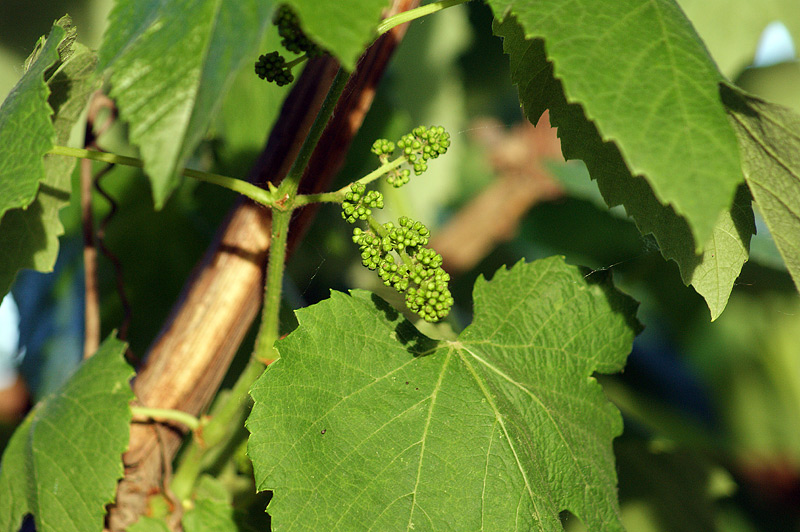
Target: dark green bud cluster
358, 205
292, 37
272, 67
418, 147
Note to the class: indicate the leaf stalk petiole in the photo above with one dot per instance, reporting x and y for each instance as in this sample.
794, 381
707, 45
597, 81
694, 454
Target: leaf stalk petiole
413, 14
257, 194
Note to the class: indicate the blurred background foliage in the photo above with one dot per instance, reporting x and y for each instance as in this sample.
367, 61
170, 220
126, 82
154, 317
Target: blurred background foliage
712, 410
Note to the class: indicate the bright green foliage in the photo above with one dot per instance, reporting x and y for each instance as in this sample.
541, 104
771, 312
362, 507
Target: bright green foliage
379, 427
29, 236
171, 64
26, 132
713, 272
769, 135
644, 79
731, 29
62, 464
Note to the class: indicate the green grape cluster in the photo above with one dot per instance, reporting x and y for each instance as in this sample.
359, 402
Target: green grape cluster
418, 272
398, 252
418, 147
272, 67
292, 37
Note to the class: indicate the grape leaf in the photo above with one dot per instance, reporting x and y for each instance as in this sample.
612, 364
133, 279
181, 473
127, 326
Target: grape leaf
26, 132
769, 136
30, 235
344, 27
63, 462
366, 424
171, 64
712, 272
644, 79
731, 29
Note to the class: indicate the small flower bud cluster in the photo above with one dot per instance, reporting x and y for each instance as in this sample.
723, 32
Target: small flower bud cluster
357, 205
292, 37
398, 252
272, 67
423, 144
418, 147
418, 273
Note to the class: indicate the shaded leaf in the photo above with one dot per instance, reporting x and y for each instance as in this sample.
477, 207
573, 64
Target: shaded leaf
364, 423
212, 510
644, 79
30, 235
712, 272
769, 137
63, 462
26, 132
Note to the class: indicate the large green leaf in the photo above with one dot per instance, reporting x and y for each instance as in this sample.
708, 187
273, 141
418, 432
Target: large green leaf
731, 29
29, 236
644, 79
769, 136
712, 272
62, 464
171, 64
26, 132
366, 424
